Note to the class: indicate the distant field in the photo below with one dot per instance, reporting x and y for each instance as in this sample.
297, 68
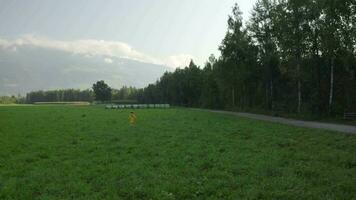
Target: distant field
88, 152
14, 104
63, 103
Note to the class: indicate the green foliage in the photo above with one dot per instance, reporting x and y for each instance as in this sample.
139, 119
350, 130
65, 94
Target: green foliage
124, 93
181, 87
293, 56
102, 91
12, 99
88, 152
73, 95
7, 99
65, 95
124, 101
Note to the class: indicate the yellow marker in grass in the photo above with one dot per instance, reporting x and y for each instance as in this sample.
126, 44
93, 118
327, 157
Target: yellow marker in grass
132, 118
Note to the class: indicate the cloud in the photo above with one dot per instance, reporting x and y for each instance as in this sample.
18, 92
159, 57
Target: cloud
108, 60
4, 43
10, 85
181, 60
92, 47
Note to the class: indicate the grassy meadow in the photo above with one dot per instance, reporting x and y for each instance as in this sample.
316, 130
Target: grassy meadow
88, 152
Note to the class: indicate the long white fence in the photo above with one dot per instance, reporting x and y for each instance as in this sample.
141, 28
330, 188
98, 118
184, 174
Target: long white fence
136, 106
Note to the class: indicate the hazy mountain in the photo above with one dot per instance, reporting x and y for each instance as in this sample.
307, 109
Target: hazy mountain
27, 68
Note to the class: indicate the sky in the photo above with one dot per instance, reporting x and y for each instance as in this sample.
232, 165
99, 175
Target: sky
168, 32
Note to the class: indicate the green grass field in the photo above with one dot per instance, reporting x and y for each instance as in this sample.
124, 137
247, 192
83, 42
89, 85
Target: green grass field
87, 152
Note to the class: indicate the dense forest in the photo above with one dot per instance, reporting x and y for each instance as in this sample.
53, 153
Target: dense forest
293, 56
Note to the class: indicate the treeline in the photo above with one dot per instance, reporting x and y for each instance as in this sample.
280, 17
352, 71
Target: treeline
59, 95
124, 94
295, 56
11, 99
67, 95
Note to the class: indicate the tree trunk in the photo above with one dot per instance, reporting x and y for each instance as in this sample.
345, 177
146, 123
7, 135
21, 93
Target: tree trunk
331, 83
299, 88
271, 93
319, 90
267, 96
233, 97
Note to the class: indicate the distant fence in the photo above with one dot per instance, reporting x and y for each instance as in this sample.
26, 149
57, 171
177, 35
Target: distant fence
136, 106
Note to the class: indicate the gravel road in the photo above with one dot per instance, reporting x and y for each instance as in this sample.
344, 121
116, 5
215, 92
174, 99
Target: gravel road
319, 125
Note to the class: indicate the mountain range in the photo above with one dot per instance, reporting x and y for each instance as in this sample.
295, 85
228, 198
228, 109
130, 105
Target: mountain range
27, 68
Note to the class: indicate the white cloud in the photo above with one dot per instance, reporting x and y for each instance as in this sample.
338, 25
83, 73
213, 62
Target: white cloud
108, 60
91, 47
181, 60
4, 43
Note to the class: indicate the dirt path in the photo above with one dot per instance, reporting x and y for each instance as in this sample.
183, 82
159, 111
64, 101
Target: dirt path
308, 124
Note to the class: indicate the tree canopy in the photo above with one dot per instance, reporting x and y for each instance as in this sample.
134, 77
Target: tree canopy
102, 91
295, 56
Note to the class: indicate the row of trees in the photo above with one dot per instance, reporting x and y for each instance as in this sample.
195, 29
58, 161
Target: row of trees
100, 92
103, 92
63, 95
11, 99
292, 55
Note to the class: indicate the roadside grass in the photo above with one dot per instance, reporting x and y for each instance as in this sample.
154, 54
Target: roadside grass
335, 119
88, 152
